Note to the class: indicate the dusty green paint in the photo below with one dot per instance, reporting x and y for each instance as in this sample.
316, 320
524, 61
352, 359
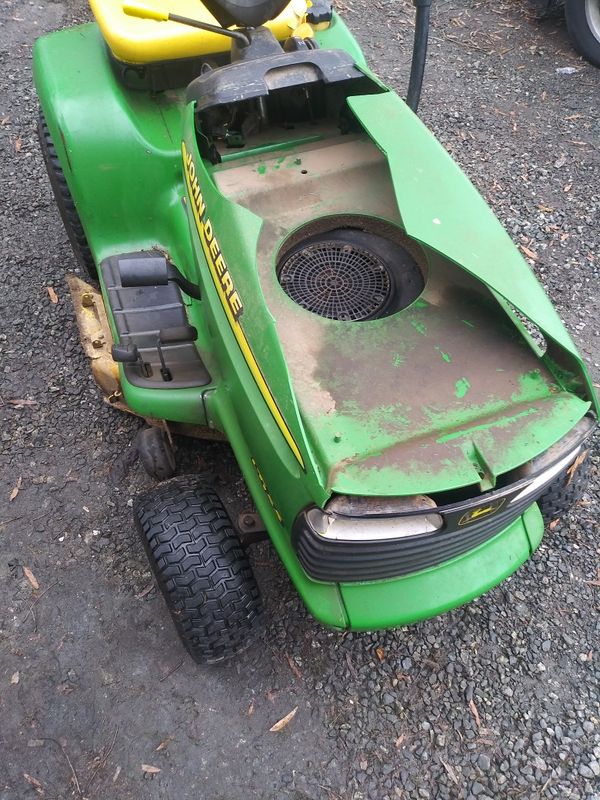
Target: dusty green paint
462, 387
445, 356
470, 324
110, 141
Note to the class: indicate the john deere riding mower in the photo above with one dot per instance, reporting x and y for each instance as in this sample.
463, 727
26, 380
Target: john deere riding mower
279, 253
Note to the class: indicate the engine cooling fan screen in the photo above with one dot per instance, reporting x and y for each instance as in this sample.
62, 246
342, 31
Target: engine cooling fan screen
336, 279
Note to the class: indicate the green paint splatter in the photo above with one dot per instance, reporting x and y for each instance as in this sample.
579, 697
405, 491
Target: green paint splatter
446, 356
420, 303
419, 327
262, 169
462, 387
470, 324
398, 360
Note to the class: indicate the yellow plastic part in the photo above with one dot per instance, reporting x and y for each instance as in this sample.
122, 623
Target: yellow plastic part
143, 11
142, 41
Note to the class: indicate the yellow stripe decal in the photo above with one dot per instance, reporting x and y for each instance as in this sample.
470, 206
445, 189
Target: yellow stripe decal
228, 295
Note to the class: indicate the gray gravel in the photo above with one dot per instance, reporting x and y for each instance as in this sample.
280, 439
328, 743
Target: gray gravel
499, 699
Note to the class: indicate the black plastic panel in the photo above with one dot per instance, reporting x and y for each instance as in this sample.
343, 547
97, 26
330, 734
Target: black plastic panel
140, 312
344, 562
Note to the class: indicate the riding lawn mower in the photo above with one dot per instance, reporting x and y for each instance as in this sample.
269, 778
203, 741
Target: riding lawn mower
278, 252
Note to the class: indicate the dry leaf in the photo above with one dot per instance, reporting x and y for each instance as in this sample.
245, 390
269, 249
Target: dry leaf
475, 713
251, 708
284, 722
575, 465
597, 581
21, 403
400, 741
294, 667
529, 253
450, 770
35, 783
31, 577
380, 653
145, 591
553, 524
15, 491
18, 144
52, 294
149, 769
163, 744
14, 678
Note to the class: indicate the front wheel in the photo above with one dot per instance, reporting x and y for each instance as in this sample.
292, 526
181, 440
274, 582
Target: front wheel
583, 23
201, 568
566, 490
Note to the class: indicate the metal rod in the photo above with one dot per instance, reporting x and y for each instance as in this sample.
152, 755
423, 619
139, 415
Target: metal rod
242, 38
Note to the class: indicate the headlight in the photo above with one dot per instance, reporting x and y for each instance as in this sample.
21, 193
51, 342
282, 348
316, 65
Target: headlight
354, 519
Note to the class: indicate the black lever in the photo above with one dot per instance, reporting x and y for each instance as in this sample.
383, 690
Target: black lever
153, 270
129, 354
177, 335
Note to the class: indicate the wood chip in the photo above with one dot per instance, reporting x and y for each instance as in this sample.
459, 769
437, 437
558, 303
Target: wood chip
251, 708
284, 721
475, 713
31, 577
380, 653
116, 775
18, 144
150, 770
400, 741
52, 294
15, 677
16, 489
553, 524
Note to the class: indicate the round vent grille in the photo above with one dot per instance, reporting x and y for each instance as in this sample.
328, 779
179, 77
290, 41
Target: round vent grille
336, 279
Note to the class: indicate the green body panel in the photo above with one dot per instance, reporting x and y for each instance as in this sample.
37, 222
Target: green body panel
121, 152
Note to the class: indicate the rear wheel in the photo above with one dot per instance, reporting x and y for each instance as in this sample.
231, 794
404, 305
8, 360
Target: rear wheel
201, 568
64, 201
565, 491
583, 22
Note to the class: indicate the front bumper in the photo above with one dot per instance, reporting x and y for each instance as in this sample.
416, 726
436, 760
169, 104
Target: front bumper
349, 547
403, 601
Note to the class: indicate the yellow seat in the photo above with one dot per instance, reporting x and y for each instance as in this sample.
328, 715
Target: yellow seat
143, 41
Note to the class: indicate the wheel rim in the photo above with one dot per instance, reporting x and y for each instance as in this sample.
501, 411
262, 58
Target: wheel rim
592, 14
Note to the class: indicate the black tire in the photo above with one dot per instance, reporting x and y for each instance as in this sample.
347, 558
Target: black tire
583, 23
201, 568
564, 492
65, 203
156, 453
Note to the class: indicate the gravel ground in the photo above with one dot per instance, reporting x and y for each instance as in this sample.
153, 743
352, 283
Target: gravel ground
499, 699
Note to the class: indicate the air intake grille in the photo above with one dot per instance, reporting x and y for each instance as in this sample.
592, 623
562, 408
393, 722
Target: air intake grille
337, 280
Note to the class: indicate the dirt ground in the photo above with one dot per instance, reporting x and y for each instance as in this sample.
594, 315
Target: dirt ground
499, 699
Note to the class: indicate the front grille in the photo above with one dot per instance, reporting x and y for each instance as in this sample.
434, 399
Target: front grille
345, 562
